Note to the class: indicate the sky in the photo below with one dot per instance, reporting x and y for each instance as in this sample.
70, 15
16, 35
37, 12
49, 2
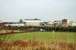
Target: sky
13, 10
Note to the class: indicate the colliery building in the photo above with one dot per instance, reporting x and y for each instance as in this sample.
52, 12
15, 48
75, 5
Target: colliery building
37, 25
25, 22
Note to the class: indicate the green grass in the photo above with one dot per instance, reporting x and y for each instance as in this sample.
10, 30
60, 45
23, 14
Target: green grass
44, 36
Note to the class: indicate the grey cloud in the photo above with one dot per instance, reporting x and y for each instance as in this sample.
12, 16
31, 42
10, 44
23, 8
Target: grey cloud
42, 9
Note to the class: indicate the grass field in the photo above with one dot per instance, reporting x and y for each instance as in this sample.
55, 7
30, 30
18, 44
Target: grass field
67, 36
42, 41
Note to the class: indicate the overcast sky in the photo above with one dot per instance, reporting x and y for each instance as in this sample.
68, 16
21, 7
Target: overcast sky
43, 9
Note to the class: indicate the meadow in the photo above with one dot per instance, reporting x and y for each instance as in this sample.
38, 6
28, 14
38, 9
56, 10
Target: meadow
39, 41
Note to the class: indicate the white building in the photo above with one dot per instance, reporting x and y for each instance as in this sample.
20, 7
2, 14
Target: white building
73, 24
57, 23
14, 24
50, 23
32, 22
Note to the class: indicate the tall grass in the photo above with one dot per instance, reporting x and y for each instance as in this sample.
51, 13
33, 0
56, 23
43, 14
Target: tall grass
36, 45
38, 41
